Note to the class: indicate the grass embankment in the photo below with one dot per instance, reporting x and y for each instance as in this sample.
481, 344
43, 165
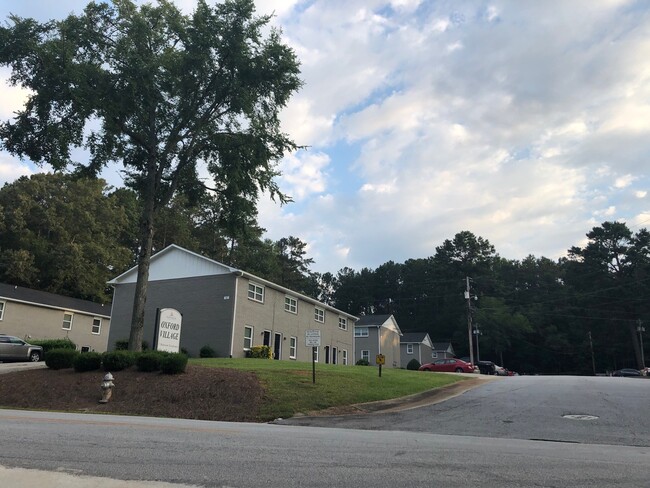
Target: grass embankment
289, 387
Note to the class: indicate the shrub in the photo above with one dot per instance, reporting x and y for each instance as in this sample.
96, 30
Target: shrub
173, 363
118, 360
49, 344
263, 352
413, 365
123, 345
60, 358
362, 362
149, 361
87, 361
206, 352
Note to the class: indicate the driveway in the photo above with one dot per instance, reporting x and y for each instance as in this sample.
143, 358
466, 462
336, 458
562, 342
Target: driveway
11, 367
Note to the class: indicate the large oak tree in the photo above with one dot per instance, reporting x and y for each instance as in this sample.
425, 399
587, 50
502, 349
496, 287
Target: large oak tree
160, 92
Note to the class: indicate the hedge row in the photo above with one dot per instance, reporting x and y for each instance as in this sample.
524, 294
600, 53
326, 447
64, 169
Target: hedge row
168, 363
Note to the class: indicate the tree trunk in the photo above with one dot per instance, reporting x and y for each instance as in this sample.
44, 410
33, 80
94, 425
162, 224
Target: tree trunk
144, 258
634, 335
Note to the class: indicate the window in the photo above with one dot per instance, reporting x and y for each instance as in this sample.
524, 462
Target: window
365, 355
361, 332
319, 315
343, 323
290, 305
434, 354
256, 292
292, 347
2, 310
67, 321
97, 326
409, 349
344, 357
248, 338
85, 348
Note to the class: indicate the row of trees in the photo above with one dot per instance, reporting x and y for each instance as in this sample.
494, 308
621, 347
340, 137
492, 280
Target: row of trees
582, 313
70, 235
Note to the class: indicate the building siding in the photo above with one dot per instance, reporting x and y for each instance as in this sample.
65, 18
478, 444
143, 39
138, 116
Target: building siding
271, 316
206, 303
38, 322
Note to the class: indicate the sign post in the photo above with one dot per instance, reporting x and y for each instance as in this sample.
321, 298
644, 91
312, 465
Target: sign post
167, 336
380, 359
312, 339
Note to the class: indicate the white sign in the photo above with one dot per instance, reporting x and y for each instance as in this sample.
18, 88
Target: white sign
169, 330
312, 338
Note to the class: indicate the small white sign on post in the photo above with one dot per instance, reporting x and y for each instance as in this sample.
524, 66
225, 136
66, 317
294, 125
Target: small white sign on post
312, 338
168, 335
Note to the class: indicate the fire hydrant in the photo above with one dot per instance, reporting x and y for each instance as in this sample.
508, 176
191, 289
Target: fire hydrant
107, 388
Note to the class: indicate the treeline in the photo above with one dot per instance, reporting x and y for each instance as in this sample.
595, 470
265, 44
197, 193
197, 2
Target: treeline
579, 314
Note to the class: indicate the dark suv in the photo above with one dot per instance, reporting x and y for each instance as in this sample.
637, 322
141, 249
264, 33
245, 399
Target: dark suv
15, 349
487, 367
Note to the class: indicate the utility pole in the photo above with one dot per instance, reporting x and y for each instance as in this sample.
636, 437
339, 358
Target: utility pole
640, 329
593, 361
468, 296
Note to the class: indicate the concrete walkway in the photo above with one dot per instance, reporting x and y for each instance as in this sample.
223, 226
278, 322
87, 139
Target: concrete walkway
11, 367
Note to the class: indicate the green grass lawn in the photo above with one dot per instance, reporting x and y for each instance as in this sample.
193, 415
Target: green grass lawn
290, 389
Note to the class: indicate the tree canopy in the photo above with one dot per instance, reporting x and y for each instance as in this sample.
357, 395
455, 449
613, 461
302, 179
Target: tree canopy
159, 92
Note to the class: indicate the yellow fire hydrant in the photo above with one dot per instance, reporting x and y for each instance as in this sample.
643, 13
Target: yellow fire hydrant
107, 388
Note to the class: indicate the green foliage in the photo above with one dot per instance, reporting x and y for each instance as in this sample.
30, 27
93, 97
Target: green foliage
261, 352
87, 361
60, 358
149, 361
49, 344
173, 363
118, 360
63, 235
362, 362
413, 365
122, 345
165, 90
206, 352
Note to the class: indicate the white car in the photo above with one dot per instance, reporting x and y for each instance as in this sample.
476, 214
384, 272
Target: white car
500, 370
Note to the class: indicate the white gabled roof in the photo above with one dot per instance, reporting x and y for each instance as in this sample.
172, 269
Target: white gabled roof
175, 262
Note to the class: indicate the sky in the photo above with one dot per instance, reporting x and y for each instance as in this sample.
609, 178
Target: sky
525, 122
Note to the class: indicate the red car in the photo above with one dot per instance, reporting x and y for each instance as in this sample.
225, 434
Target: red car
449, 365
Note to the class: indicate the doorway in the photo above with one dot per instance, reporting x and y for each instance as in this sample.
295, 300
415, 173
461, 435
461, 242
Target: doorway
277, 346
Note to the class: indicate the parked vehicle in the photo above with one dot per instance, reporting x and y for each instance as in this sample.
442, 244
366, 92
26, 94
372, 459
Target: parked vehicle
500, 370
626, 372
486, 367
15, 349
449, 365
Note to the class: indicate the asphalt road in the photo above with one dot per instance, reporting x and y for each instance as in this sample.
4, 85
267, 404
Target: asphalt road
527, 407
506, 433
218, 454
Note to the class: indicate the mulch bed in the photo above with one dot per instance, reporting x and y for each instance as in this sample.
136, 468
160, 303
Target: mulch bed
199, 393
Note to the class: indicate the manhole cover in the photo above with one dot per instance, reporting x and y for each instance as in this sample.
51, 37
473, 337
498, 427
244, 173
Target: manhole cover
579, 417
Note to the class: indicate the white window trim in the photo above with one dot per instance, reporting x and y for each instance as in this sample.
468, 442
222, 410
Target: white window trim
344, 357
315, 356
409, 349
290, 304
92, 327
64, 321
344, 321
319, 315
255, 292
434, 354
252, 329
2, 309
293, 345
366, 355
358, 332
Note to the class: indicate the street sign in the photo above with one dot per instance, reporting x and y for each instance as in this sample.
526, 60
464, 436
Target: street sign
312, 338
380, 359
